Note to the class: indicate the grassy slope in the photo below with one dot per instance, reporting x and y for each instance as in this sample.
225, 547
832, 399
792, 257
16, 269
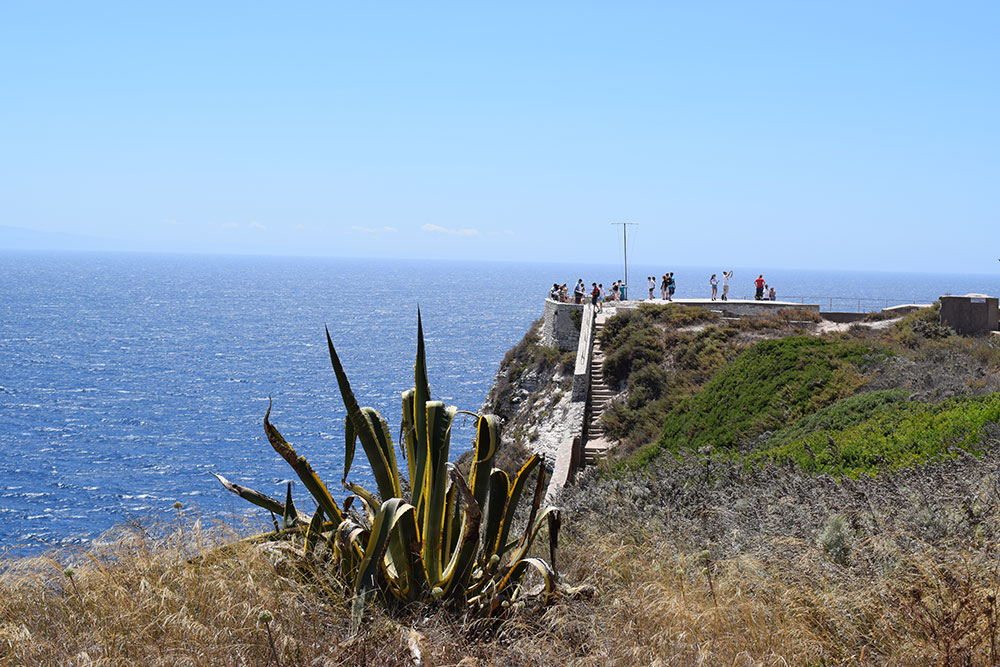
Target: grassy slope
804, 400
877, 431
770, 385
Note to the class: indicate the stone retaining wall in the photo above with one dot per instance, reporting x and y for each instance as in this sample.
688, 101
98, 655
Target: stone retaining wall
561, 325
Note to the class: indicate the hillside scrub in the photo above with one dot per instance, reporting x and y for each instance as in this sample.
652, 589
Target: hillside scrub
877, 431
660, 354
773, 383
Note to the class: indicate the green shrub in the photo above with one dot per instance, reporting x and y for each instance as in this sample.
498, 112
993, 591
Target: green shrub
841, 415
773, 383
891, 434
630, 341
677, 315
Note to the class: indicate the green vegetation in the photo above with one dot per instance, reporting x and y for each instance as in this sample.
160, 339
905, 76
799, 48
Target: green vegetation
879, 431
659, 364
772, 384
447, 539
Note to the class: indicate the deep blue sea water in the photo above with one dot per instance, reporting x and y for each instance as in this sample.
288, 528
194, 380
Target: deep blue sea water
126, 378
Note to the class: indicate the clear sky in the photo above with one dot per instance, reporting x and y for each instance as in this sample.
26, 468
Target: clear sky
858, 135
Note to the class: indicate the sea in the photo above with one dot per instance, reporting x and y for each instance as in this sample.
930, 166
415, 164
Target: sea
127, 378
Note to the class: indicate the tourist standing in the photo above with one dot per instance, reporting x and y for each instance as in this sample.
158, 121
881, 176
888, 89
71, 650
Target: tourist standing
759, 284
595, 295
671, 286
714, 282
604, 295
579, 291
663, 287
652, 286
726, 277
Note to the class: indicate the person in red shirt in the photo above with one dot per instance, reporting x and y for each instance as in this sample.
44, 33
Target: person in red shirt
595, 297
759, 283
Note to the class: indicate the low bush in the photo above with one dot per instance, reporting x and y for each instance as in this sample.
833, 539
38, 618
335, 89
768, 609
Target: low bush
884, 434
773, 383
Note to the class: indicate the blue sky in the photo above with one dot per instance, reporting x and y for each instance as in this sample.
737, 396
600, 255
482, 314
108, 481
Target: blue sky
855, 135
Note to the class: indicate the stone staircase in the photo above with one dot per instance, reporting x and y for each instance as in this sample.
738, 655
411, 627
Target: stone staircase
596, 446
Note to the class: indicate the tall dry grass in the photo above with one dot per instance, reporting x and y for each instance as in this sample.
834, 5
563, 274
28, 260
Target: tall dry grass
683, 568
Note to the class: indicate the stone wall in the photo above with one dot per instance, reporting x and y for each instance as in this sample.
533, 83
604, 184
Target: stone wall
560, 326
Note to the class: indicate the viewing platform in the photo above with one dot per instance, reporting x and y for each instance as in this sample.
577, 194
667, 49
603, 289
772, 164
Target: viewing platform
561, 322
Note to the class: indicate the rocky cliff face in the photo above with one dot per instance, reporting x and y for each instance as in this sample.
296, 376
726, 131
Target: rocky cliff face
532, 396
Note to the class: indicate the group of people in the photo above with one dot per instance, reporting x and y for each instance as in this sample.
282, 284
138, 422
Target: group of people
596, 292
668, 285
763, 291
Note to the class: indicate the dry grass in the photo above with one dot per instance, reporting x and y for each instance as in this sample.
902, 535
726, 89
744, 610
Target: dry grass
659, 601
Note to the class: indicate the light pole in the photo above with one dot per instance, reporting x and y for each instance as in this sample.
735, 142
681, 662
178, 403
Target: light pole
625, 226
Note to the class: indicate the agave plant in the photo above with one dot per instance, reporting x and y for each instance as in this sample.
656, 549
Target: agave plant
448, 539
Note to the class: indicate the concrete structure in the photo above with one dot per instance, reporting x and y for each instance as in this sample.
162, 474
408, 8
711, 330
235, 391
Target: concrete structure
561, 325
843, 318
970, 314
584, 354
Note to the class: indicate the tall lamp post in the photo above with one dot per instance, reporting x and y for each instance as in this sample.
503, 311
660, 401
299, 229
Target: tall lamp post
625, 226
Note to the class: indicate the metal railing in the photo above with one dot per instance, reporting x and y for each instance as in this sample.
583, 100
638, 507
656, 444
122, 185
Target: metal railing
863, 304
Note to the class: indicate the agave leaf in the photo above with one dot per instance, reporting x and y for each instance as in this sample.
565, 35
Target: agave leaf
487, 440
516, 489
555, 523
363, 428
497, 503
383, 461
255, 497
421, 395
408, 581
435, 489
531, 532
365, 583
369, 501
305, 472
289, 518
313, 532
459, 568
416, 452
452, 522
350, 443
513, 577
536, 501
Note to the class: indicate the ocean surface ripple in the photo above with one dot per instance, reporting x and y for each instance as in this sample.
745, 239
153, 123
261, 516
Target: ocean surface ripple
126, 378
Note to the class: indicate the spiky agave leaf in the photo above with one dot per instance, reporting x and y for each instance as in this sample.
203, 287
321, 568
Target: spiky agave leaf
365, 583
301, 466
290, 518
255, 497
369, 427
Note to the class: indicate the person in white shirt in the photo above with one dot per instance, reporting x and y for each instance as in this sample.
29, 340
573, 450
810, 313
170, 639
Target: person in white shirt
652, 285
726, 277
714, 282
